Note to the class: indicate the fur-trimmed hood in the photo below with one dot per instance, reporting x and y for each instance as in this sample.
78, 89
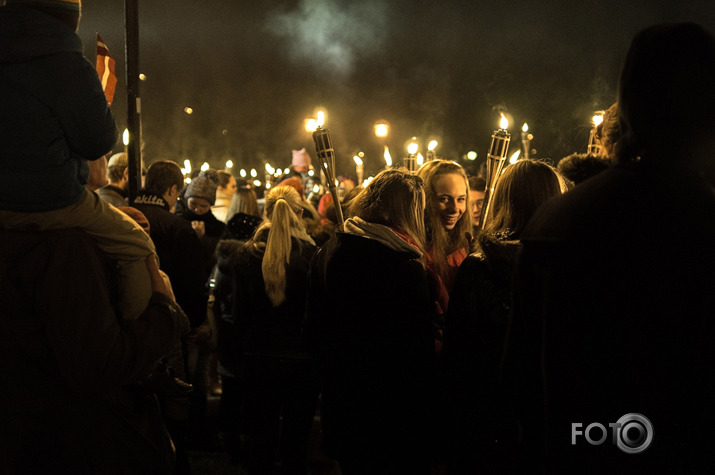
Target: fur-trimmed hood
498, 254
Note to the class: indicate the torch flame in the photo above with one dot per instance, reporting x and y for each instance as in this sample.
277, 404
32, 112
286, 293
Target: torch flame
503, 123
388, 158
125, 137
358, 160
420, 160
205, 166
525, 127
320, 119
270, 169
514, 158
412, 148
432, 145
597, 120
310, 125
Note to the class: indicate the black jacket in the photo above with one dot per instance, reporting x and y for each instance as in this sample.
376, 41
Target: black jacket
180, 255
370, 325
615, 314
248, 322
481, 428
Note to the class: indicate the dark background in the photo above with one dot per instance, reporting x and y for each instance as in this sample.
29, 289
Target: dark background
252, 71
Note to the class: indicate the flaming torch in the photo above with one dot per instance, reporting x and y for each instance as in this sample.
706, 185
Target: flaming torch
388, 157
326, 158
526, 139
593, 147
495, 162
431, 154
359, 167
411, 158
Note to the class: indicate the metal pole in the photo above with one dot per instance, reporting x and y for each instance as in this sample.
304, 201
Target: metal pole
131, 56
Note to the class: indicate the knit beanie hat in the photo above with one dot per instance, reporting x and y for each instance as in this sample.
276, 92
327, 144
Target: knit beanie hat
301, 159
203, 186
72, 5
66, 11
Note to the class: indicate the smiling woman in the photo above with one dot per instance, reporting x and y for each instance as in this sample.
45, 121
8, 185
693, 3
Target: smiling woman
445, 217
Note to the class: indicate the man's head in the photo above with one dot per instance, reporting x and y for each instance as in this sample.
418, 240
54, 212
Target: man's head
67, 11
164, 178
118, 170
477, 185
666, 105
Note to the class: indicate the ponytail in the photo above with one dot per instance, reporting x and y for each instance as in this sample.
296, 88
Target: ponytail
280, 205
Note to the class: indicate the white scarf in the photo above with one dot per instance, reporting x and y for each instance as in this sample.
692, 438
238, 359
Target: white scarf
380, 233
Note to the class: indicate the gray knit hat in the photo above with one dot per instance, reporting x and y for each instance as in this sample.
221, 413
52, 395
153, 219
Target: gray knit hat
203, 186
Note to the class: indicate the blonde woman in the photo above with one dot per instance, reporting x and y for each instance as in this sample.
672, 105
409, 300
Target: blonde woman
269, 290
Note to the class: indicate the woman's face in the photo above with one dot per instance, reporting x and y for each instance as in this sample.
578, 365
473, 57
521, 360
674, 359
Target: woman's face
230, 187
198, 205
451, 195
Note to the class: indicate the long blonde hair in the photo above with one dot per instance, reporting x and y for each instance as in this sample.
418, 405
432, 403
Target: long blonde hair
282, 212
442, 242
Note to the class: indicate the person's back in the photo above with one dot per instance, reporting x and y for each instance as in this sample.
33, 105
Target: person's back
377, 359
177, 245
69, 398
616, 279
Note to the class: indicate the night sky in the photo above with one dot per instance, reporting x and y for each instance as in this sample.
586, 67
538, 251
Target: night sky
252, 71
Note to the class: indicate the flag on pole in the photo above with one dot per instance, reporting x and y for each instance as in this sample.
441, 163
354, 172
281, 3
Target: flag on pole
105, 70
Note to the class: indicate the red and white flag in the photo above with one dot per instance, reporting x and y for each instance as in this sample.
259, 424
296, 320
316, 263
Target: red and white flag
105, 70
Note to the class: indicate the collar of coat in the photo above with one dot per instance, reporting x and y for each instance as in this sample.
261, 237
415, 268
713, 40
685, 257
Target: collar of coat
151, 199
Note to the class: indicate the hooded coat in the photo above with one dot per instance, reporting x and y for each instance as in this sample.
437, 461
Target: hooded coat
54, 115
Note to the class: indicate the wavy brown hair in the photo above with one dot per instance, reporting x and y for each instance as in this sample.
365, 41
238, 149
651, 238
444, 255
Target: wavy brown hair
440, 241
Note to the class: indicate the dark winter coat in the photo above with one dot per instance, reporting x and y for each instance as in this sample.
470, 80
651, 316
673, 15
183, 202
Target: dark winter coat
259, 328
370, 324
67, 402
481, 427
615, 314
180, 255
54, 115
213, 231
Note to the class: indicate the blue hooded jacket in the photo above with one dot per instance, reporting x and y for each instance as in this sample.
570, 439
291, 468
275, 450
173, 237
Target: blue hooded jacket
53, 113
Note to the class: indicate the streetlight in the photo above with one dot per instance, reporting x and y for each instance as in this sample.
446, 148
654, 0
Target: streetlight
382, 129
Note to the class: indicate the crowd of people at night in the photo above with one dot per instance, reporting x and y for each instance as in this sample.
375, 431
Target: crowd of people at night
564, 323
